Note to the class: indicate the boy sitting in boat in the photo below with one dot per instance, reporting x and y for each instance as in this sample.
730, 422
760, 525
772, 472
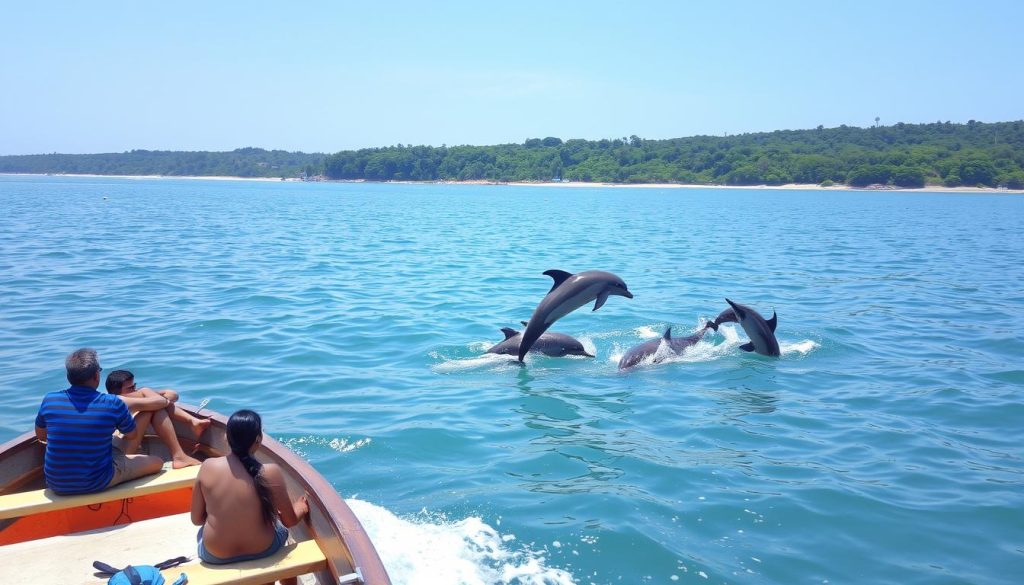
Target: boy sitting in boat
241, 505
77, 426
156, 408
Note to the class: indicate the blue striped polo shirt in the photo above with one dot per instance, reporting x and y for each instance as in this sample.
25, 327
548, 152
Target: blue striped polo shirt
79, 425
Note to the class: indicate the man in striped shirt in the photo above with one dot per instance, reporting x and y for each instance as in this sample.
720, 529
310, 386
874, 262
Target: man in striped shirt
77, 426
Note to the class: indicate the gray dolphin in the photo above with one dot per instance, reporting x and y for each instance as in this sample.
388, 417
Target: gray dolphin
550, 344
568, 293
760, 332
649, 348
726, 316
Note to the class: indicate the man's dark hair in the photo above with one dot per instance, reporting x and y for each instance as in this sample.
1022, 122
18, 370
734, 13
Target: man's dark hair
82, 365
116, 380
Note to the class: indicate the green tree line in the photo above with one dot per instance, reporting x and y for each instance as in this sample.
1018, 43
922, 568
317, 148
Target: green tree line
905, 155
241, 162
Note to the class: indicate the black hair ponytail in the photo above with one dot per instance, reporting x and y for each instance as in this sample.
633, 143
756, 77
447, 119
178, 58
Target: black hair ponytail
244, 427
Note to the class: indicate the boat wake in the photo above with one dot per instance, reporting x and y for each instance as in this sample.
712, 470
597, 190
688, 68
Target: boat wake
432, 550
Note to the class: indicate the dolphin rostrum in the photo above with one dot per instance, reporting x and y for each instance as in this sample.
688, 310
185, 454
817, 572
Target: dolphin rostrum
648, 348
550, 344
760, 331
568, 293
726, 316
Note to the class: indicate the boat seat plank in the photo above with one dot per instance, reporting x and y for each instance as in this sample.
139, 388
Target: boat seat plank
291, 561
35, 501
70, 556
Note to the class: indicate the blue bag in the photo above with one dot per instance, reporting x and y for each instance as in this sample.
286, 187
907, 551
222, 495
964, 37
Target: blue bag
141, 574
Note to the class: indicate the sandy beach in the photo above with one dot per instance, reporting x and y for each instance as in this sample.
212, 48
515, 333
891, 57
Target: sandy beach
572, 184
786, 187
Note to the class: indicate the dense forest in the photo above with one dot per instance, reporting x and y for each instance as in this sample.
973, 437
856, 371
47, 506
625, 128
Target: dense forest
905, 155
241, 162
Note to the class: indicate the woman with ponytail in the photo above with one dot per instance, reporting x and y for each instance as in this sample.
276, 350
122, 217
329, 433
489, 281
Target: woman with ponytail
242, 505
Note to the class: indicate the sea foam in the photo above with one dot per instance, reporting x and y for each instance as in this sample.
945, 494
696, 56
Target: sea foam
431, 549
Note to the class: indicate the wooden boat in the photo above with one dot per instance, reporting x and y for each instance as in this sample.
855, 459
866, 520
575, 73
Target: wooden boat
46, 538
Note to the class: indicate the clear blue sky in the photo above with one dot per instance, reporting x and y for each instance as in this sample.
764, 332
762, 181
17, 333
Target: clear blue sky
86, 77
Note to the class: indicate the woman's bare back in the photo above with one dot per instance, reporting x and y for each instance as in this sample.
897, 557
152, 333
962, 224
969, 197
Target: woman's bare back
234, 518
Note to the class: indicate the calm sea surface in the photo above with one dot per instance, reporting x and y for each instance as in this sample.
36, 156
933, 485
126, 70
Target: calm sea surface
886, 445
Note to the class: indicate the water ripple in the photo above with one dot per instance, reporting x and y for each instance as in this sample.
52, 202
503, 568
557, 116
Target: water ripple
882, 447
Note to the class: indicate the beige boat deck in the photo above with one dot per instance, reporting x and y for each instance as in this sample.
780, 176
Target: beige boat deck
67, 560
35, 501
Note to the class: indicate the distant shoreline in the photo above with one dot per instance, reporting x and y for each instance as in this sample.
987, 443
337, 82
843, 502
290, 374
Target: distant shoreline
786, 187
568, 184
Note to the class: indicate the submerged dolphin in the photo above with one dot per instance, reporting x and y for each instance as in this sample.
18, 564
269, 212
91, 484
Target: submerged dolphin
648, 348
726, 316
550, 344
568, 293
760, 332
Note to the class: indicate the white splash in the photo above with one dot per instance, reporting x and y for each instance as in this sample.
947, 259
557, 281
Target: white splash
803, 347
341, 445
648, 332
481, 346
735, 337
344, 446
487, 360
431, 550
732, 335
588, 345
616, 354
704, 350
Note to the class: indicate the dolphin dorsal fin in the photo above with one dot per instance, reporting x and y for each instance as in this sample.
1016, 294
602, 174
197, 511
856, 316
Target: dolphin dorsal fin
773, 321
668, 334
509, 333
559, 276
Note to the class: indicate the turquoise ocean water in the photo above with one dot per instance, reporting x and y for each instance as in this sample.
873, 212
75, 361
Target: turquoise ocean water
884, 446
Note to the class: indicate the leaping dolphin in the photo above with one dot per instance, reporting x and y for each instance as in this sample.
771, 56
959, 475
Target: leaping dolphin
649, 348
550, 344
760, 331
568, 293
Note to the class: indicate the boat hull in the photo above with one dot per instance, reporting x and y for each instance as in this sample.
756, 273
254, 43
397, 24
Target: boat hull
331, 522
